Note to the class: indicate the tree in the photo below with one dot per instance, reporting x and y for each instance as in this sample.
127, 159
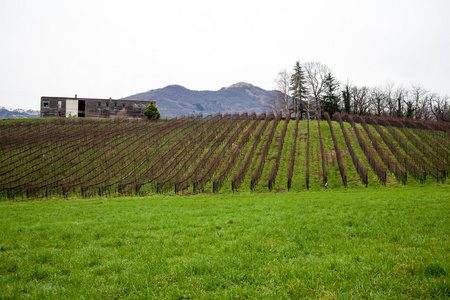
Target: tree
440, 108
360, 100
276, 103
399, 95
315, 75
390, 99
419, 96
282, 86
378, 101
408, 99
330, 99
346, 96
152, 112
298, 88
409, 109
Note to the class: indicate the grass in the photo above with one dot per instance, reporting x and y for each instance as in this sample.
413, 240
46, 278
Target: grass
360, 243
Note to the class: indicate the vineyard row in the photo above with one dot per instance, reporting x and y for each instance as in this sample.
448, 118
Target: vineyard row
88, 157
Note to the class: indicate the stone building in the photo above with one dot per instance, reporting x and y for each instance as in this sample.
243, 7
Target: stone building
92, 108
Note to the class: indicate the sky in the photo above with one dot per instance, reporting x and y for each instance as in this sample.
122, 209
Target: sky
102, 49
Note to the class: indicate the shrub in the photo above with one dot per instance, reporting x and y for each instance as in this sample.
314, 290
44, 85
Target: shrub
122, 114
152, 112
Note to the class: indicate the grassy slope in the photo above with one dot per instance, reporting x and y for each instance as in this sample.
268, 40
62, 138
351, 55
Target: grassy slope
383, 242
98, 172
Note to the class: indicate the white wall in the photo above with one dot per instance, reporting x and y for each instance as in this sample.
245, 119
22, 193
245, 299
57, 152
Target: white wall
71, 108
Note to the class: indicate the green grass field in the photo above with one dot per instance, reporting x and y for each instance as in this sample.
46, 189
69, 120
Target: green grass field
385, 243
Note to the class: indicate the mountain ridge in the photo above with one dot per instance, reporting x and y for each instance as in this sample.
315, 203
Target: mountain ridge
18, 113
176, 100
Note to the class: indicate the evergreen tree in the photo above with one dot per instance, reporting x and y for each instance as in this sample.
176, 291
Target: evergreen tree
346, 96
152, 112
399, 113
330, 99
409, 109
298, 88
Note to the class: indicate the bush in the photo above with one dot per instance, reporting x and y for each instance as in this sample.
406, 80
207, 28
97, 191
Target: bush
122, 114
152, 112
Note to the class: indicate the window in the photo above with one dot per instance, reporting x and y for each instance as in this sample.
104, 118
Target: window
107, 105
136, 105
59, 104
45, 104
123, 105
99, 104
115, 106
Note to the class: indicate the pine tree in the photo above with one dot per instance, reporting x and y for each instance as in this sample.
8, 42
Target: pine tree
346, 97
330, 99
298, 88
152, 112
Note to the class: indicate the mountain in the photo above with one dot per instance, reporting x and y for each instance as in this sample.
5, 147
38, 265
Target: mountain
176, 100
9, 113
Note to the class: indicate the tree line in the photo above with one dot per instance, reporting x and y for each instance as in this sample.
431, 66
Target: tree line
312, 87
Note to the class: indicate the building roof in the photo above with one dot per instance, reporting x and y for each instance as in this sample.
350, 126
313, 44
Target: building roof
97, 99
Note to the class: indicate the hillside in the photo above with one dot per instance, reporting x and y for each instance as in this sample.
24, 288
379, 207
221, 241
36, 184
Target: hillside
41, 158
9, 113
176, 100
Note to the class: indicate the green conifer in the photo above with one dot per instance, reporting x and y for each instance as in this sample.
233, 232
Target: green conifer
152, 112
330, 99
298, 88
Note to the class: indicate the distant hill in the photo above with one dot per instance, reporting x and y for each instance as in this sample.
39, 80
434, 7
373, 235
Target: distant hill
176, 100
9, 113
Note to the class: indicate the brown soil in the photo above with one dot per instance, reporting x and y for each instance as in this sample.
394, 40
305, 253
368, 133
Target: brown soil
190, 194
331, 158
196, 193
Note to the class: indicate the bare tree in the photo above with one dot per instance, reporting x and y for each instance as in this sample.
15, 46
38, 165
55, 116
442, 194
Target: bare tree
391, 104
360, 100
390, 100
276, 104
377, 101
399, 95
440, 108
427, 106
282, 83
419, 99
315, 75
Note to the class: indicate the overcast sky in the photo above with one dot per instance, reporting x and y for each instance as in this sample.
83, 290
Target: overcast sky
102, 49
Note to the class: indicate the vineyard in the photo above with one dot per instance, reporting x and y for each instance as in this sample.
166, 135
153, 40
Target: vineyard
88, 157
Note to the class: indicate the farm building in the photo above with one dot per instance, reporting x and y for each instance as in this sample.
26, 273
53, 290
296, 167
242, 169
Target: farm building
92, 108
